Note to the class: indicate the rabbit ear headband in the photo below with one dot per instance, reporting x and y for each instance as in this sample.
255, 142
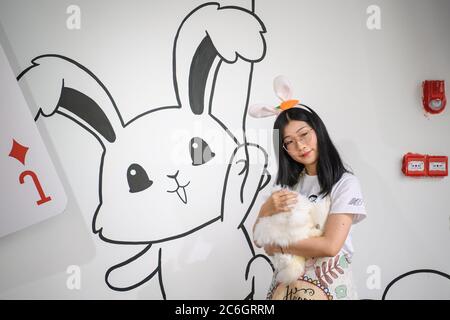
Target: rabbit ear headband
283, 90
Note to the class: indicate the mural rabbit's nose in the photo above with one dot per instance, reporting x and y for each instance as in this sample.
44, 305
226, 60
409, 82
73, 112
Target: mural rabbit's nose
174, 176
180, 190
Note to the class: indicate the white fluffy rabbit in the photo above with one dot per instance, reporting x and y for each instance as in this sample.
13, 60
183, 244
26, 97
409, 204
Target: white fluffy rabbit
306, 219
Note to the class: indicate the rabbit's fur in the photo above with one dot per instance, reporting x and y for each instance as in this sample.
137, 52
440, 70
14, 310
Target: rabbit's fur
306, 219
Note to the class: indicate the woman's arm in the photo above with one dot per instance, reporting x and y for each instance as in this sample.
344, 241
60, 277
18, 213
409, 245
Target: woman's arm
329, 244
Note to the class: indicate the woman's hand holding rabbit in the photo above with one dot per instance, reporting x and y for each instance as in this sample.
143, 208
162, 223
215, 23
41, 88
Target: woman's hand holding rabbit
280, 201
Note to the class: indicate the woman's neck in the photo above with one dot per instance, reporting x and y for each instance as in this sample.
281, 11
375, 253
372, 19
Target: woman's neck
311, 170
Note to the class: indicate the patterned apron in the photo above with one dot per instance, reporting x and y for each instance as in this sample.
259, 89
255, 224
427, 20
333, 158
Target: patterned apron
325, 278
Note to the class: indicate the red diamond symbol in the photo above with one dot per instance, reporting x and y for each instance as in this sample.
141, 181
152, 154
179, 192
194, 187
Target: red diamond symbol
18, 151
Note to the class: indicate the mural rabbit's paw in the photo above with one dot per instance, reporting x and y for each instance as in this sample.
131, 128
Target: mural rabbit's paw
124, 276
247, 171
259, 271
223, 24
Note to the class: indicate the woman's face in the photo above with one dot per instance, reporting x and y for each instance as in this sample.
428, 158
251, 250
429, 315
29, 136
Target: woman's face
300, 142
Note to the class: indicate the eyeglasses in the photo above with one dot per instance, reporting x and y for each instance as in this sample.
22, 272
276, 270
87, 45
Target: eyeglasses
291, 143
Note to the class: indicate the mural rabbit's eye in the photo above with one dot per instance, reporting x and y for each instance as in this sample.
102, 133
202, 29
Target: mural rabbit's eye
200, 151
137, 178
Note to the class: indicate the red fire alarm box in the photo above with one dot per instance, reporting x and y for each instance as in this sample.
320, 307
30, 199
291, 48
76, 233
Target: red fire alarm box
437, 166
414, 165
434, 99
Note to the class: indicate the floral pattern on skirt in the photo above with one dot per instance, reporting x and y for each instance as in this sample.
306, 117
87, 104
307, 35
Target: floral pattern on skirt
325, 278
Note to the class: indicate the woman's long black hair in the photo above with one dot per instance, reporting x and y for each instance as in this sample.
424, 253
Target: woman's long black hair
330, 167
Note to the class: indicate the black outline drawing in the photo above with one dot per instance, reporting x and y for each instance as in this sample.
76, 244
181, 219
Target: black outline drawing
85, 112
407, 274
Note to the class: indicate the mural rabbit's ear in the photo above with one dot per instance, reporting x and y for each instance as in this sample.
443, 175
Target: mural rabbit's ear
262, 110
63, 86
214, 51
282, 88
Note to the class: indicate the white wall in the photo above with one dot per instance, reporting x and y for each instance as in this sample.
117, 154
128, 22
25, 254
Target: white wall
365, 84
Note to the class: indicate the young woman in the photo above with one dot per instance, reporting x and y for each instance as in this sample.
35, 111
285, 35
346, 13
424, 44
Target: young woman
310, 164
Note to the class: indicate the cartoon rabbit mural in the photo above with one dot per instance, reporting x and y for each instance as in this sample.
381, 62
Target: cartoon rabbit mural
156, 188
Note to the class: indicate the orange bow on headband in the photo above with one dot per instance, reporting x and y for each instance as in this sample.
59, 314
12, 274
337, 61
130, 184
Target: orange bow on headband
288, 104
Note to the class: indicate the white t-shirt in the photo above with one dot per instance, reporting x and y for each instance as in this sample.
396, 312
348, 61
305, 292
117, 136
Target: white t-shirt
346, 197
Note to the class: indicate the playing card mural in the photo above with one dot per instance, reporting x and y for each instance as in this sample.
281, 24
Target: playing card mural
167, 176
27, 170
